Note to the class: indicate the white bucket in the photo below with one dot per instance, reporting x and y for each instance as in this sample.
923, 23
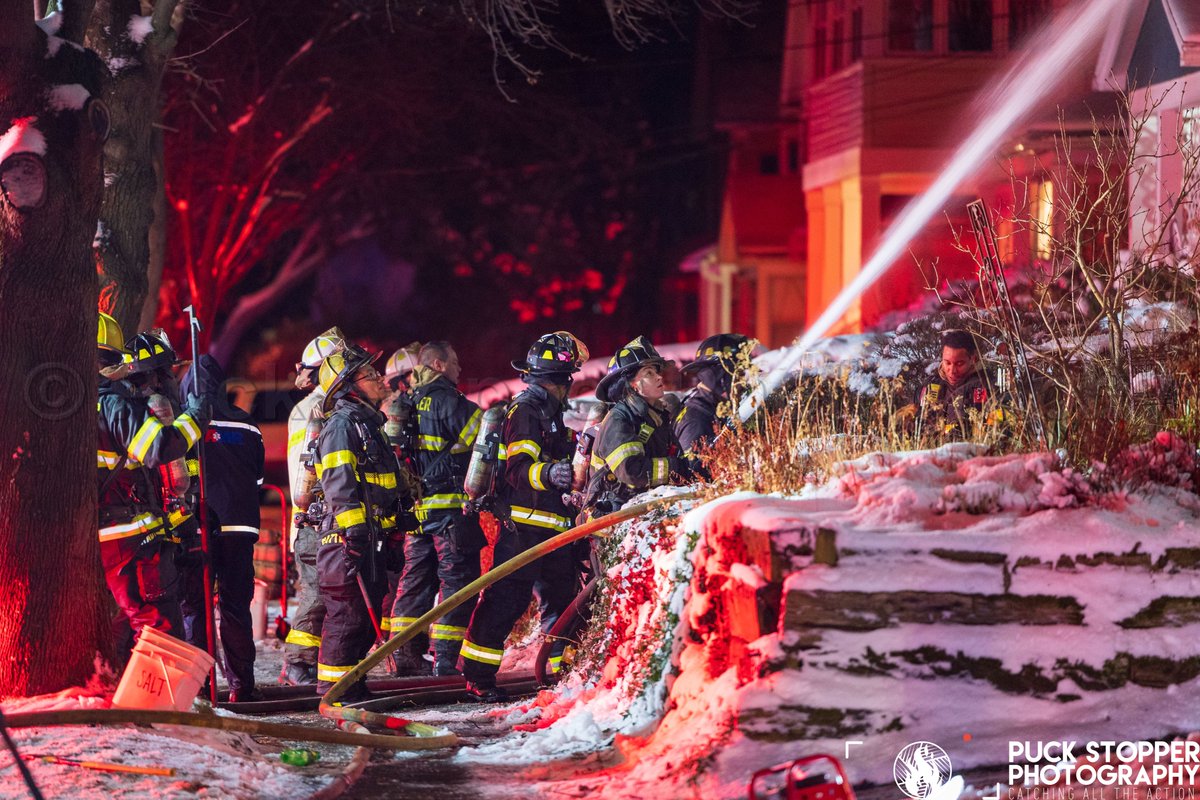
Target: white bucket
163, 673
258, 610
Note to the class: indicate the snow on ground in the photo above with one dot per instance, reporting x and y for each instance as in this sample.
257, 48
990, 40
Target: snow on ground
206, 763
658, 719
678, 737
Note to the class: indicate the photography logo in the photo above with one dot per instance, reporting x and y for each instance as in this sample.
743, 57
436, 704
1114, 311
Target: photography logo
921, 769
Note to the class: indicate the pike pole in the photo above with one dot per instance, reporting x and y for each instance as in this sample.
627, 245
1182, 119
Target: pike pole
210, 627
995, 290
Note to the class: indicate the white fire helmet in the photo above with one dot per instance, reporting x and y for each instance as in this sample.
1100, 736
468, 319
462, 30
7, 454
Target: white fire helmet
402, 362
328, 343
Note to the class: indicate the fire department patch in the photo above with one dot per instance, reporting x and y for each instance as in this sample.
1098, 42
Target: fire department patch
979, 396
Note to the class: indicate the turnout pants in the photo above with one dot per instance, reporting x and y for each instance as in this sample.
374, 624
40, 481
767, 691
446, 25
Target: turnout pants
140, 572
233, 570
347, 634
304, 638
556, 579
443, 555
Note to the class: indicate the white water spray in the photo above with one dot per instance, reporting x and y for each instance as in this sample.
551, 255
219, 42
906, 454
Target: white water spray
1052, 52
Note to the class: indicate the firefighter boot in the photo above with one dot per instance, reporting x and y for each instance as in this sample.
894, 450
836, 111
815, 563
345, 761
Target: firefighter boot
445, 660
409, 661
297, 673
485, 691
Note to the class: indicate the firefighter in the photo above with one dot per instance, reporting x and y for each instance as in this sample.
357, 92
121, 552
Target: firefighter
636, 447
961, 388
138, 558
719, 359
304, 637
398, 372
233, 473
536, 472
401, 430
360, 484
444, 553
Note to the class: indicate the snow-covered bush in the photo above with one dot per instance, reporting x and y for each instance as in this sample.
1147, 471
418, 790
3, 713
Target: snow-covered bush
639, 599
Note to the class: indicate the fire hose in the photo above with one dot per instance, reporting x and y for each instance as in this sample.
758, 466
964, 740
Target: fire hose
377, 720
420, 736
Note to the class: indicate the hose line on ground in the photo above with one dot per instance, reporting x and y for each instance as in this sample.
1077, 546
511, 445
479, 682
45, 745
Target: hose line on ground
299, 733
421, 736
377, 720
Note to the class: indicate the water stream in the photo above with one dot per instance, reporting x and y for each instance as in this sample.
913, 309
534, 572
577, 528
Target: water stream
1042, 65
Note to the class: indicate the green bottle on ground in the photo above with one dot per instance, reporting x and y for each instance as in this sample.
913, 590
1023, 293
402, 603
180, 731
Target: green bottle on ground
299, 757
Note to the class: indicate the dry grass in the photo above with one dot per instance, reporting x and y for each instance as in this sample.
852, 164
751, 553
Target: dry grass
806, 428
816, 422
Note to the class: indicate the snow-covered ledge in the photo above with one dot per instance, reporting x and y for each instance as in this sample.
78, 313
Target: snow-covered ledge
954, 598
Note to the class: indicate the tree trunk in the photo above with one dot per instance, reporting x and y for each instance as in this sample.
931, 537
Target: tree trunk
53, 625
132, 93
158, 239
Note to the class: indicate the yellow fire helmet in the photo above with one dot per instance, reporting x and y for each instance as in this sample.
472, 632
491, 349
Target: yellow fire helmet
109, 336
337, 371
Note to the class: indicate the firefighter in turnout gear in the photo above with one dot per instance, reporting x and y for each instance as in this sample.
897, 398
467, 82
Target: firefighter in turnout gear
444, 553
233, 452
961, 389
719, 359
401, 430
535, 473
304, 637
133, 445
361, 486
636, 447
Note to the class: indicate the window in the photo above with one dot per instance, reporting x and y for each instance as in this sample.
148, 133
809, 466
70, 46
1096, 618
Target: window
820, 64
1024, 16
910, 25
793, 157
970, 26
839, 44
856, 35
1043, 230
768, 164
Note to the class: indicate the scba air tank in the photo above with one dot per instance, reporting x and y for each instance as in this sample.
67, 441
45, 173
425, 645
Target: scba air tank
581, 463
175, 474
485, 455
399, 425
305, 479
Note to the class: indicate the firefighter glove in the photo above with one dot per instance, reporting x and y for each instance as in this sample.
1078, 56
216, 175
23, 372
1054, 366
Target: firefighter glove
394, 552
191, 550
357, 551
406, 520
560, 474
679, 467
199, 408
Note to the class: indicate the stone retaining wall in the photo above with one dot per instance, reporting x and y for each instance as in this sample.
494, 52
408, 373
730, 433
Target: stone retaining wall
877, 627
